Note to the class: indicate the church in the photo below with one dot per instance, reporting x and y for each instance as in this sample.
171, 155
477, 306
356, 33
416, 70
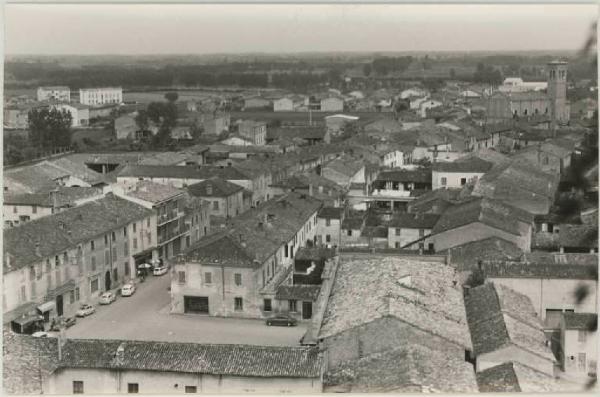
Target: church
502, 106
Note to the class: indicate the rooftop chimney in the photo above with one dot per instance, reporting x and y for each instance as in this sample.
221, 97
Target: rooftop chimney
37, 250
310, 189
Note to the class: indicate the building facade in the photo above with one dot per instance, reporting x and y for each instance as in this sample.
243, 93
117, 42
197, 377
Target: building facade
57, 93
100, 96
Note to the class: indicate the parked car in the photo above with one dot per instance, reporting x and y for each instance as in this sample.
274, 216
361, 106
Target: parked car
282, 320
107, 298
68, 323
85, 310
40, 334
160, 270
128, 290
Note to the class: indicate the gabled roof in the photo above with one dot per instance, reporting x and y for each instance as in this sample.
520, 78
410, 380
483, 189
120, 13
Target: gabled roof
38, 177
581, 236
463, 165
413, 221
64, 230
213, 187
221, 249
489, 212
181, 172
345, 165
499, 317
331, 213
154, 192
421, 175
467, 256
410, 368
298, 292
368, 289
65, 196
232, 360
303, 133
512, 377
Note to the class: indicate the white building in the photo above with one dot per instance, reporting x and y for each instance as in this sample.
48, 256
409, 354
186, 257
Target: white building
58, 93
579, 343
516, 84
100, 96
80, 114
428, 104
332, 104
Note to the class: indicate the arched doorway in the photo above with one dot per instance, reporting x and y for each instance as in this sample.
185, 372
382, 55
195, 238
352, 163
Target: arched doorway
107, 280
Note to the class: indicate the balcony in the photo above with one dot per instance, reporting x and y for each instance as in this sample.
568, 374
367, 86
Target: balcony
390, 193
168, 217
164, 238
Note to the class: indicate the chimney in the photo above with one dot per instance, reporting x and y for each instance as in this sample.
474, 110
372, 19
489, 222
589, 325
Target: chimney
37, 250
310, 189
53, 195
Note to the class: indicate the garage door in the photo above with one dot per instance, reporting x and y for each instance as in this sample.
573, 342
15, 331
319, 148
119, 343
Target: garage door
195, 304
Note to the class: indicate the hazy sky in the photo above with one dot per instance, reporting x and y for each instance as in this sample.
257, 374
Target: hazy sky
194, 28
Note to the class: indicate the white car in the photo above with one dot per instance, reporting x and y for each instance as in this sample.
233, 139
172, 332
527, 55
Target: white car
107, 298
40, 334
85, 310
160, 270
128, 290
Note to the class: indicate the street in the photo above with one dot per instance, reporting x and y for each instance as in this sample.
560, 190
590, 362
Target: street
145, 316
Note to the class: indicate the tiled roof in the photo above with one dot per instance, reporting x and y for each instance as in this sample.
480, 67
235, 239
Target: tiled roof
65, 196
38, 177
505, 269
410, 369
511, 377
466, 256
587, 321
232, 360
303, 133
583, 236
368, 289
79, 224
221, 248
314, 253
418, 175
298, 292
345, 165
413, 221
182, 172
467, 165
552, 258
154, 192
331, 213
303, 181
353, 222
499, 316
489, 212
214, 187
79, 170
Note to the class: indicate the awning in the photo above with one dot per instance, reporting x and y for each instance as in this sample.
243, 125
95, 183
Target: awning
146, 252
66, 287
18, 312
28, 319
46, 307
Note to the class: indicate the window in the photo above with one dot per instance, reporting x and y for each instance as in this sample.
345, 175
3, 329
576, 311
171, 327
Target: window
134, 226
23, 294
34, 209
77, 293
93, 263
285, 250
327, 238
190, 389
32, 273
581, 336
133, 388
106, 240
148, 222
398, 231
238, 304
444, 181
267, 305
71, 297
293, 305
181, 277
94, 285
327, 222
77, 387
125, 231
125, 248
546, 160
15, 209
92, 245
396, 245
237, 279
350, 232
215, 205
208, 278
114, 236
126, 268
463, 181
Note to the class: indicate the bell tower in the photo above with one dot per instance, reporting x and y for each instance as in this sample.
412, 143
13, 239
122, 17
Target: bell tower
557, 92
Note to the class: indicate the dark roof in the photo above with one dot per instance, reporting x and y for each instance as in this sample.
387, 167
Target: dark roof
233, 360
375, 231
182, 172
298, 292
65, 196
507, 269
493, 213
469, 165
221, 249
578, 236
499, 316
331, 213
303, 133
587, 321
64, 230
213, 187
422, 175
314, 253
413, 221
498, 379
352, 222
154, 192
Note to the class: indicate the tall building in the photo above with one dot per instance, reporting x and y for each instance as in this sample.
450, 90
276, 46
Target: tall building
100, 96
58, 93
557, 91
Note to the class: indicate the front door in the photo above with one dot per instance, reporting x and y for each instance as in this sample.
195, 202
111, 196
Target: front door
107, 281
195, 304
306, 310
59, 305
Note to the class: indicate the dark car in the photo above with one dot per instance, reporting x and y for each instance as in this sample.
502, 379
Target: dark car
282, 320
68, 322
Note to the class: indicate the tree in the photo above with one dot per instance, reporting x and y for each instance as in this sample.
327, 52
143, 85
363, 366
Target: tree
171, 97
367, 69
49, 128
155, 111
141, 120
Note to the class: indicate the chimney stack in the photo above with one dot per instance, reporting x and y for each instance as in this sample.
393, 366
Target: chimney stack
310, 189
37, 249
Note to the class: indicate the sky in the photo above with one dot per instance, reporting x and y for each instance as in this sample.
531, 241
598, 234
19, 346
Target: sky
243, 28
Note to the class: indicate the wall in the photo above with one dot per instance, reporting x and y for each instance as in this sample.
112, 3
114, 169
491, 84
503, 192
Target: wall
571, 347
13, 212
104, 381
333, 230
407, 236
553, 293
452, 178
